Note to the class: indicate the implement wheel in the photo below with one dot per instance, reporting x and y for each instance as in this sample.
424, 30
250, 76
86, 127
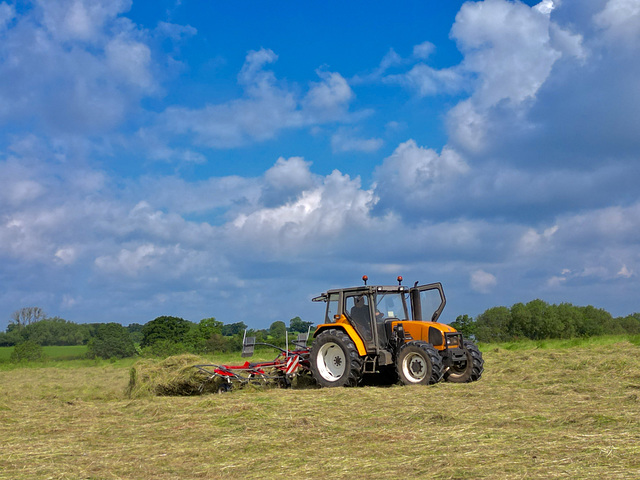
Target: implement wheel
418, 363
468, 370
334, 360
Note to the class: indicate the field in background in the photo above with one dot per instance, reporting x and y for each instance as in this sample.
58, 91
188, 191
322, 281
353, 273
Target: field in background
53, 353
563, 411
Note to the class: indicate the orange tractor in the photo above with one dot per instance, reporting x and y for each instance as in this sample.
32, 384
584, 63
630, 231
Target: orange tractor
390, 331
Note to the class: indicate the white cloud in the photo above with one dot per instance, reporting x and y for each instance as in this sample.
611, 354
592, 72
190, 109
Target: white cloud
97, 63
328, 99
625, 272
426, 81
423, 50
130, 60
556, 281
482, 282
81, 20
315, 216
286, 180
347, 141
267, 107
66, 255
620, 19
509, 48
532, 241
416, 171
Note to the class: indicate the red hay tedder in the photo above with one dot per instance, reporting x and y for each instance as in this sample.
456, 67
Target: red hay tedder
278, 372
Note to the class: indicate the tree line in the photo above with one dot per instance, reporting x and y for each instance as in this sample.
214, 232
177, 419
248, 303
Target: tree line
538, 320
30, 328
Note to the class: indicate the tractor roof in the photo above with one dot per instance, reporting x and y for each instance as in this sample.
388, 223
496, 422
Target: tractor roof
362, 289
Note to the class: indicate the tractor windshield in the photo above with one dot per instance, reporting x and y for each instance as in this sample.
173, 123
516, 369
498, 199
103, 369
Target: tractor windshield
391, 305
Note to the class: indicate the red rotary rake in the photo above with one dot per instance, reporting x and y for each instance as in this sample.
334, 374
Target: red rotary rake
279, 372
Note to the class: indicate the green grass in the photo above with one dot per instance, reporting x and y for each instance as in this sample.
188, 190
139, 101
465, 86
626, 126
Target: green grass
52, 353
565, 343
556, 412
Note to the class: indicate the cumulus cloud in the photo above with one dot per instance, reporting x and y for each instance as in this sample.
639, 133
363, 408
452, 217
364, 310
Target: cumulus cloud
347, 140
482, 282
412, 174
423, 50
287, 180
97, 62
267, 107
508, 47
316, 215
620, 19
532, 241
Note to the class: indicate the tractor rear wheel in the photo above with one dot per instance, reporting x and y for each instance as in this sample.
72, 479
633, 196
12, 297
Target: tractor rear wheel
418, 363
334, 360
468, 370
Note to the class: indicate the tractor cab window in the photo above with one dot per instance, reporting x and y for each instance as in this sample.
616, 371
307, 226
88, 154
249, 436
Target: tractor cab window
358, 310
332, 308
391, 305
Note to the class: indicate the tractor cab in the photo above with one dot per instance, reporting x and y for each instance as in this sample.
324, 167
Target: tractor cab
374, 311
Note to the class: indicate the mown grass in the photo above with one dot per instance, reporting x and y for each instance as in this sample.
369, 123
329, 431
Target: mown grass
561, 412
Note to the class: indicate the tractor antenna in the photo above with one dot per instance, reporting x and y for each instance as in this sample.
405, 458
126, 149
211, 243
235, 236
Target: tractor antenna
399, 280
364, 279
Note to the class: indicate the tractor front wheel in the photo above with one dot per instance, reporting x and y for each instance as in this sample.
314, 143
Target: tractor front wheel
468, 370
334, 360
418, 363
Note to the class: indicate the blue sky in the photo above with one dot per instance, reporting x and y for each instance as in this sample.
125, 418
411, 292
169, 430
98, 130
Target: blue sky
235, 159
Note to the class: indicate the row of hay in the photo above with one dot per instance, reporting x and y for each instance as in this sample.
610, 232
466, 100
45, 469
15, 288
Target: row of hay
173, 376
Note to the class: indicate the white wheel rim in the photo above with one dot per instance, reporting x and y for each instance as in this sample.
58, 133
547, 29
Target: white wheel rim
414, 367
331, 362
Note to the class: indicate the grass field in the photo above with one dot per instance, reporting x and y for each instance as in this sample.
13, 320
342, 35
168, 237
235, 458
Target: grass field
52, 353
564, 411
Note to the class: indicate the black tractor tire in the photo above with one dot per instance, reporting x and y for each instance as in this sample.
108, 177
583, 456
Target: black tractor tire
418, 363
469, 370
334, 359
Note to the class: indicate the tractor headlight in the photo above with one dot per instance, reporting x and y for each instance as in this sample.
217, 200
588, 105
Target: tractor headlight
452, 341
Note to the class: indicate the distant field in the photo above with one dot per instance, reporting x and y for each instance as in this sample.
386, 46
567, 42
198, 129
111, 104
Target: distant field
554, 412
71, 352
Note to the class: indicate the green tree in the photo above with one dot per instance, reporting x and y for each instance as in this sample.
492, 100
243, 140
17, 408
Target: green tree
465, 325
218, 343
630, 324
27, 351
593, 321
112, 340
209, 326
170, 329
521, 324
297, 325
493, 325
233, 329
56, 331
199, 334
11, 337
135, 332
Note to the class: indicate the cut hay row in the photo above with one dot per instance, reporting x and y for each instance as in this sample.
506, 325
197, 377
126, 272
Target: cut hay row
173, 376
